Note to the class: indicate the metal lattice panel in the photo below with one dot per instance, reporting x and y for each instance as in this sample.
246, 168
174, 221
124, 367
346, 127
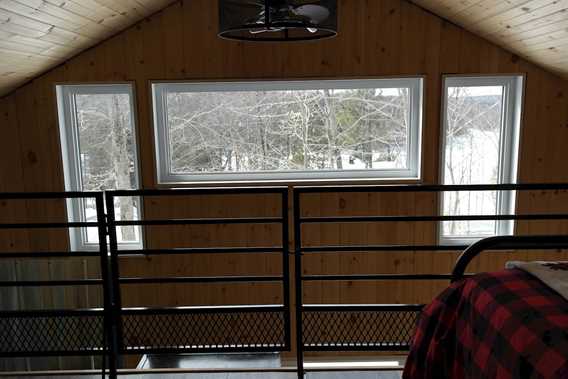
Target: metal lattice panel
204, 332
64, 335
358, 330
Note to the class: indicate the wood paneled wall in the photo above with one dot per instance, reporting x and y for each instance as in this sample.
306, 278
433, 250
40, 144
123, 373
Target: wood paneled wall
376, 39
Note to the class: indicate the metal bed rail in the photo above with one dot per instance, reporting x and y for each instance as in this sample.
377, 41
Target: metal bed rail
385, 327
530, 242
59, 332
203, 329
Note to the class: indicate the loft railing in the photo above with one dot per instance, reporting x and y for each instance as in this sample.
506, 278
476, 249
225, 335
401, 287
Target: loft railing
203, 329
59, 332
116, 330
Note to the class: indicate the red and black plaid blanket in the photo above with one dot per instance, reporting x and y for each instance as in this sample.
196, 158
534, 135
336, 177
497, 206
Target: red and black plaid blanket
496, 325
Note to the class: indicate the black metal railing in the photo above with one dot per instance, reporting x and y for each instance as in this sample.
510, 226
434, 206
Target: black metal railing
203, 329
58, 332
386, 327
117, 330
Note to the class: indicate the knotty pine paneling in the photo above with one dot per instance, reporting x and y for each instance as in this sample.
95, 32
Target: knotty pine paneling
377, 39
37, 35
535, 29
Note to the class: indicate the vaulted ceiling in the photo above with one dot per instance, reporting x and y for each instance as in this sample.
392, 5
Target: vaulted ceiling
534, 29
36, 35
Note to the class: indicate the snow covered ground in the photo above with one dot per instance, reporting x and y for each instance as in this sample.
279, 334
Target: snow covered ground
93, 234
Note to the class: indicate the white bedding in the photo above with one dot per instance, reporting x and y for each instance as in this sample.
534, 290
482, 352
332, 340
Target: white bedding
553, 274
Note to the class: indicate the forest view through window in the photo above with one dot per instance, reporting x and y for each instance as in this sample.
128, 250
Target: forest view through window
287, 130
99, 153
481, 125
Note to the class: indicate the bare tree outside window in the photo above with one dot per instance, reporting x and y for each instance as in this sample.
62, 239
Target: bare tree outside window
474, 116
298, 130
107, 151
476, 120
100, 153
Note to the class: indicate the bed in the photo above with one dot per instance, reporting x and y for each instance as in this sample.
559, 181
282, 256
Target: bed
506, 324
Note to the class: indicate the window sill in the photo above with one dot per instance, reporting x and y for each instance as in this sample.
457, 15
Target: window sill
292, 183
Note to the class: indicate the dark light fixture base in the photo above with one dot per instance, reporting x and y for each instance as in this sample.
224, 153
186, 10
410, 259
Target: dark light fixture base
277, 20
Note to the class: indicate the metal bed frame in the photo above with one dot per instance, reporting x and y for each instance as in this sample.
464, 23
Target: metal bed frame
112, 328
531, 242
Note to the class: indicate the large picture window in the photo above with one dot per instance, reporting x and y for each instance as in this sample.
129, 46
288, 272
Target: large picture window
300, 130
98, 141
480, 142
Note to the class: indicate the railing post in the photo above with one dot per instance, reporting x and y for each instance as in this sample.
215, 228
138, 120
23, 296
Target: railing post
109, 348
114, 274
286, 269
298, 284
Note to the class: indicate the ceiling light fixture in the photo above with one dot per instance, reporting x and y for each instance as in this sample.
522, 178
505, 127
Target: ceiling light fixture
277, 20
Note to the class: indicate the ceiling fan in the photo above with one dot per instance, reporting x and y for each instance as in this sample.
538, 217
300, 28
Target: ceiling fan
287, 11
316, 17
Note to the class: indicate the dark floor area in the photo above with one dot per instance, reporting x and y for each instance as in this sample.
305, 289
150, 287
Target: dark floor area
221, 362
311, 375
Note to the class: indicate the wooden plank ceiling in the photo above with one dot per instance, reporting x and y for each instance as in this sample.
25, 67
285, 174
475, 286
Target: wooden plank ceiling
534, 29
36, 35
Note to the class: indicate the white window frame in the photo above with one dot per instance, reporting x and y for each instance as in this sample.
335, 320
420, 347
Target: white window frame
70, 153
162, 153
513, 98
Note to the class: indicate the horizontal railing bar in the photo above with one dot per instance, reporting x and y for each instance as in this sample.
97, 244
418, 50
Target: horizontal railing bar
201, 221
358, 248
269, 308
54, 353
281, 189
51, 283
376, 277
188, 221
56, 254
345, 348
361, 307
203, 279
48, 225
457, 248
434, 188
47, 195
44, 313
201, 191
347, 219
201, 250
249, 348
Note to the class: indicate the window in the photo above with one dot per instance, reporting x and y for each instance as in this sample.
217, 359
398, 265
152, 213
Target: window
480, 143
97, 128
327, 129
